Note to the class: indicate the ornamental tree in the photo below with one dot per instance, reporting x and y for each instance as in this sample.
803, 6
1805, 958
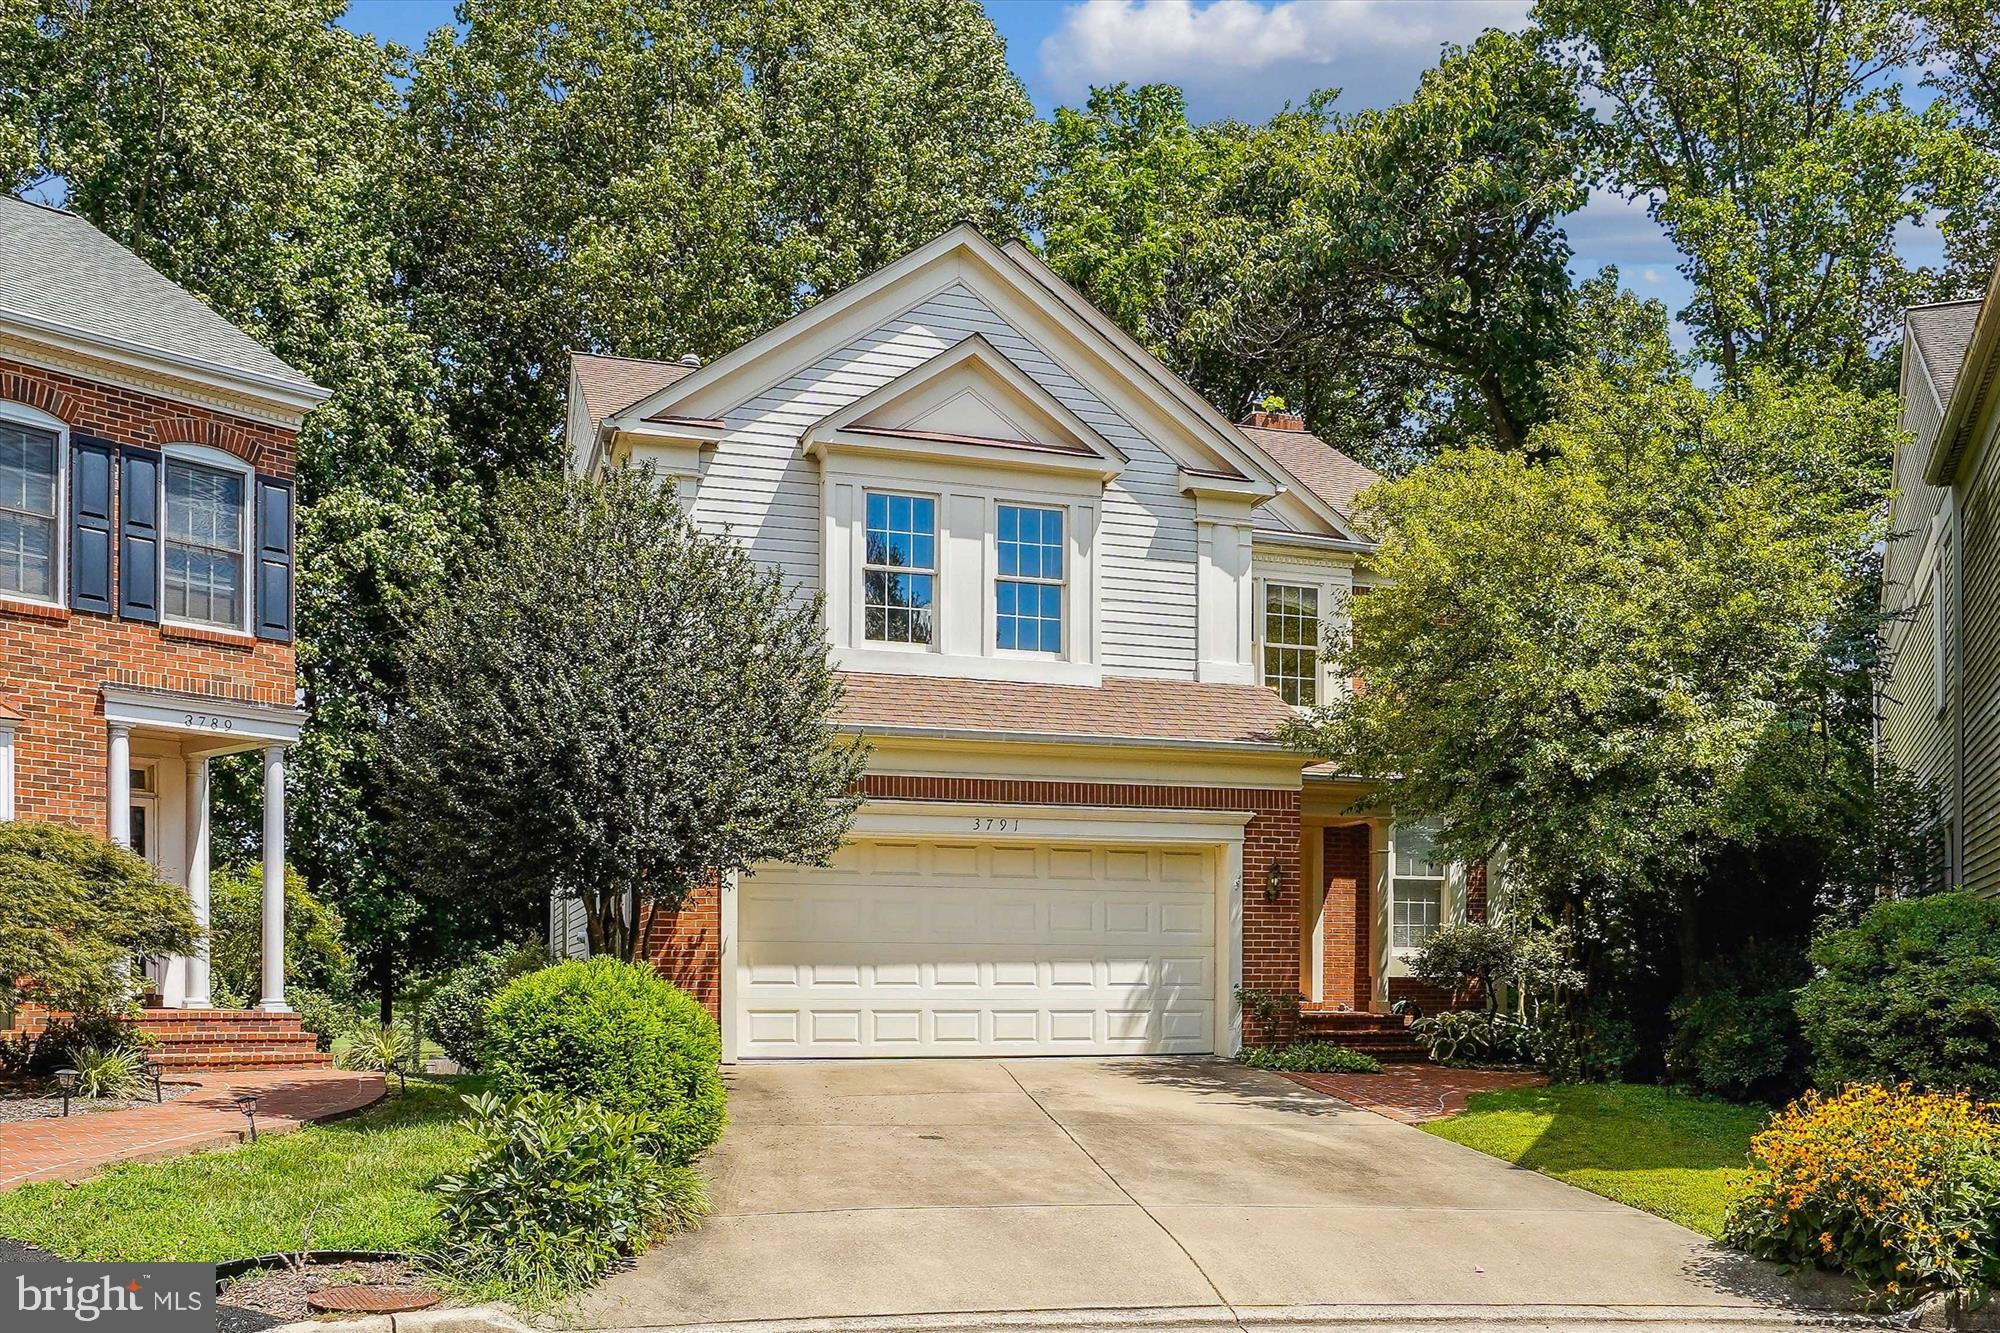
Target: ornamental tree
75, 911
1588, 659
611, 706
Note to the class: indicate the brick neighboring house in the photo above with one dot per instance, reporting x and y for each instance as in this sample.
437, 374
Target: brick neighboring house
1072, 604
147, 452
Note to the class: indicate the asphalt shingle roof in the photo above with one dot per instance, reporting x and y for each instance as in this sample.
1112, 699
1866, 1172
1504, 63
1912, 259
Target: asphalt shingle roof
56, 268
1327, 473
613, 383
1122, 708
1943, 333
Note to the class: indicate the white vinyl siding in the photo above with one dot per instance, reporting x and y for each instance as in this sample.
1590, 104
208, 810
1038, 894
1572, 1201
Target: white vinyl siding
759, 486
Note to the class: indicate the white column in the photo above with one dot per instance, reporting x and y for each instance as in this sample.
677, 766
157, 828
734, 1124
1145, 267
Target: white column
195, 992
6, 770
118, 786
274, 880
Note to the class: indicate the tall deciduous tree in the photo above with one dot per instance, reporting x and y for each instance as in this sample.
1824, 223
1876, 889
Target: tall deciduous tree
1586, 661
244, 148
659, 177
609, 707
1401, 274
1770, 139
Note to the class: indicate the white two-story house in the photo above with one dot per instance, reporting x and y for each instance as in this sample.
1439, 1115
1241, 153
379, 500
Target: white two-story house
1072, 604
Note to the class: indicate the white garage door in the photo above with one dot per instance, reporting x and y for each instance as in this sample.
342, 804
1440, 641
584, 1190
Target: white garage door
931, 948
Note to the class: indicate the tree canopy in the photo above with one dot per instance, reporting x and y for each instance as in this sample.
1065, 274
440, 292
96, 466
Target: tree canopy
612, 706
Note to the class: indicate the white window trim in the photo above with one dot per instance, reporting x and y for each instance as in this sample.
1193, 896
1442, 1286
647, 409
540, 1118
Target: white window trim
202, 455
1321, 595
1332, 596
862, 568
35, 418
6, 770
1451, 894
990, 598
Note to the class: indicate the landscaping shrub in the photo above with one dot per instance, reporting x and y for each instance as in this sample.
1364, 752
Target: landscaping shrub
389, 1047
1584, 1041
1910, 994
1467, 958
1473, 1037
455, 1013
110, 1071
1895, 1188
556, 1191
1736, 1030
617, 1034
325, 1016
62, 1043
1309, 1057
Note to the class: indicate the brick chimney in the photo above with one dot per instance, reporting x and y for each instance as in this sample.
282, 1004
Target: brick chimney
1274, 420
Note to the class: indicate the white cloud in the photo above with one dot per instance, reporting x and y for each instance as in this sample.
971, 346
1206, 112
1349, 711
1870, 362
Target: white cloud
1245, 58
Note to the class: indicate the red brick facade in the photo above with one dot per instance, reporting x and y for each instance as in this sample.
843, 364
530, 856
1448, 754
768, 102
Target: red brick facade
686, 945
1346, 917
54, 662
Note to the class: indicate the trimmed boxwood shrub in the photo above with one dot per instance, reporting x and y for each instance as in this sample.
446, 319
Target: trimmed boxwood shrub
616, 1034
1309, 1057
1910, 994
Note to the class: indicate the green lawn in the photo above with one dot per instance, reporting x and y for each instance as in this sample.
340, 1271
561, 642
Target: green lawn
1681, 1157
361, 1184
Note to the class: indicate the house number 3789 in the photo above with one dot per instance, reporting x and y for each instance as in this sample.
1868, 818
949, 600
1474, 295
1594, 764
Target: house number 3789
206, 722
995, 824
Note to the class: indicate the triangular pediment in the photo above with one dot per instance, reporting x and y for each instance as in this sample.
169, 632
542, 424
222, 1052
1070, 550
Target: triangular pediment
971, 397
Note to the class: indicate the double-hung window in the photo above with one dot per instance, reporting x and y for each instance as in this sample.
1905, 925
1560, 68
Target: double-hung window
206, 536
1291, 642
1416, 888
899, 568
1028, 592
30, 541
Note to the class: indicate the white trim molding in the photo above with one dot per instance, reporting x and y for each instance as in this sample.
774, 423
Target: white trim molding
35, 419
6, 768
207, 726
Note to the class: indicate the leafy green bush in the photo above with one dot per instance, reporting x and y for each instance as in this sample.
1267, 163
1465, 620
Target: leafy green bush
110, 1071
1584, 1041
325, 1016
556, 1191
62, 1043
74, 910
389, 1047
314, 956
1473, 1037
1309, 1057
1467, 958
616, 1034
455, 1013
1910, 994
1897, 1189
1736, 1029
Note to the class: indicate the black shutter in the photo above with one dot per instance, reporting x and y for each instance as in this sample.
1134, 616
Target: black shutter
274, 559
90, 525
139, 534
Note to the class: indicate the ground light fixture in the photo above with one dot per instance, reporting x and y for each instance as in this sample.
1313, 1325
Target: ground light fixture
66, 1081
246, 1102
154, 1069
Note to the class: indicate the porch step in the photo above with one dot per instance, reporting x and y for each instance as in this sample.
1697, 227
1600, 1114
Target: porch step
1381, 1035
239, 1059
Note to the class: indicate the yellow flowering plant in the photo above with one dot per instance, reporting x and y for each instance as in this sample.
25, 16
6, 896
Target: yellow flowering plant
1896, 1188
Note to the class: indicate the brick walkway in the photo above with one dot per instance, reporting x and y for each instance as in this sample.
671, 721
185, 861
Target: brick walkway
70, 1149
1416, 1092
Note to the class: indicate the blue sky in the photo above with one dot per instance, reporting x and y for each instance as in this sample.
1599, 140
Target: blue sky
1243, 58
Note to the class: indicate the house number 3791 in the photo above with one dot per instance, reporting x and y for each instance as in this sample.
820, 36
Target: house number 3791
205, 722
995, 824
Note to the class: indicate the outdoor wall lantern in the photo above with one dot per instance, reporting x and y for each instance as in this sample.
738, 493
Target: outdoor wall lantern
247, 1104
1274, 882
66, 1080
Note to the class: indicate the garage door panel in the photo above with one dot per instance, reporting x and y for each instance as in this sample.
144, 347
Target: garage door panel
938, 949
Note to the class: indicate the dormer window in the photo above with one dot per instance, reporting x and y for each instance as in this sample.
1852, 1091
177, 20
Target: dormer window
30, 545
1028, 594
899, 570
206, 544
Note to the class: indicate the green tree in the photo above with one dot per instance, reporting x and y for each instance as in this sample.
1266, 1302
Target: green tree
314, 955
1583, 660
610, 707
1962, 60
1770, 139
658, 178
1400, 274
245, 148
75, 911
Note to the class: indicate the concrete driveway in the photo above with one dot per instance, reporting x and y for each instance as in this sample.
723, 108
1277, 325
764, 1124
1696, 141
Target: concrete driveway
1146, 1192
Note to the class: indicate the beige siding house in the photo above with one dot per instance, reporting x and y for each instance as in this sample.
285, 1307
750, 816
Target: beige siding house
1940, 708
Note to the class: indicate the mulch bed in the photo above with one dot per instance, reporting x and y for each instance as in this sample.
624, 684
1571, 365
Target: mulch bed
278, 1295
34, 1101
